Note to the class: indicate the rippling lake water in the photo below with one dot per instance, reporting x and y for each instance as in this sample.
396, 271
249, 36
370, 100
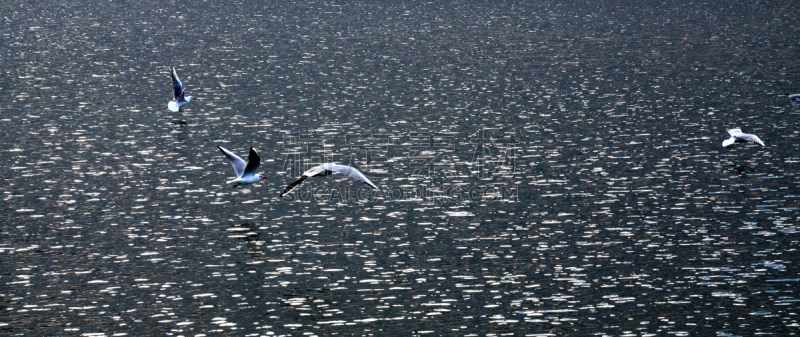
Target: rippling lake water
545, 168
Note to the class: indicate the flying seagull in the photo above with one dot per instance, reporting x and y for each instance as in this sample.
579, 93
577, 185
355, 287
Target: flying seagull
794, 97
326, 170
245, 172
178, 100
738, 137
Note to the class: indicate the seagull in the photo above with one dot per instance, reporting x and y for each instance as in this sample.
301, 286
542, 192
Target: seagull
794, 97
245, 172
738, 137
326, 170
178, 100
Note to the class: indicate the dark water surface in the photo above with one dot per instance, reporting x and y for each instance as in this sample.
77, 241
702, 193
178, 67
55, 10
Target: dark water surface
546, 168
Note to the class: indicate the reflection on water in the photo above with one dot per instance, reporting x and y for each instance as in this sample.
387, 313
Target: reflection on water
545, 169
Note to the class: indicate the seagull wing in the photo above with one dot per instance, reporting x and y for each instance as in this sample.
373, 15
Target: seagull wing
253, 161
293, 185
237, 163
177, 86
314, 171
734, 132
309, 173
352, 172
750, 138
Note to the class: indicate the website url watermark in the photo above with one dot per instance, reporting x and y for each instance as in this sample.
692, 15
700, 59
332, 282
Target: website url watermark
432, 166
345, 193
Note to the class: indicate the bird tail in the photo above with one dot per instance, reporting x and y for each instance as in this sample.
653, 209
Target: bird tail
728, 143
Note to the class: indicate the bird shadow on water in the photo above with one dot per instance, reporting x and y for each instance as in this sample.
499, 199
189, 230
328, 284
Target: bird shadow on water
180, 131
293, 297
740, 169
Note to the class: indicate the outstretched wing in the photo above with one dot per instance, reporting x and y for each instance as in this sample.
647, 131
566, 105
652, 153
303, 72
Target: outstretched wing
750, 138
237, 163
314, 171
293, 185
253, 161
177, 86
349, 171
734, 132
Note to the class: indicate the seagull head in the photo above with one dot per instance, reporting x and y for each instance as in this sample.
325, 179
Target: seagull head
188, 98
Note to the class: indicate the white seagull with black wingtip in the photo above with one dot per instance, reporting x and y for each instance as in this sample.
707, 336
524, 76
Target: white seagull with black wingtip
178, 99
738, 137
794, 97
326, 170
245, 172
